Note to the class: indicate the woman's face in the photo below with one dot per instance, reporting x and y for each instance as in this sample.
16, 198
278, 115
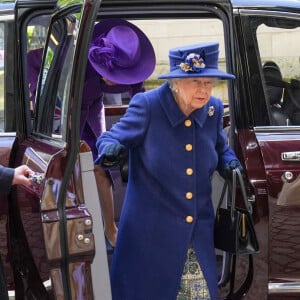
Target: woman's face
108, 82
192, 93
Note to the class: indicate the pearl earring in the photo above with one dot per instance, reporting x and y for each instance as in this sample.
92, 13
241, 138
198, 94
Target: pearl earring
174, 90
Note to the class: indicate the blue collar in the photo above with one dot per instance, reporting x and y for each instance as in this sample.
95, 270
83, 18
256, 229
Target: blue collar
174, 114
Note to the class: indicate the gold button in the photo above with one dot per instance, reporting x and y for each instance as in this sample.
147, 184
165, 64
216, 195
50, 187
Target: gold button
188, 123
188, 147
189, 195
189, 171
189, 219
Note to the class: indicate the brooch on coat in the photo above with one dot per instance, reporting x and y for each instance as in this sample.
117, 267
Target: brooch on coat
211, 111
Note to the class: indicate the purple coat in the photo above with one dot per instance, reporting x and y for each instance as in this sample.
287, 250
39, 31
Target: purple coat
34, 60
171, 161
92, 121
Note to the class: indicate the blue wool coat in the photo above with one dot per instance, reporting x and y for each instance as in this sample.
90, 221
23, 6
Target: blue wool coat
168, 198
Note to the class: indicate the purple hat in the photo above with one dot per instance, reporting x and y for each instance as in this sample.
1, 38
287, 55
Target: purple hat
200, 60
121, 52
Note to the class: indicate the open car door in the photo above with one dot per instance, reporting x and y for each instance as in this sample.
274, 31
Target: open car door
50, 230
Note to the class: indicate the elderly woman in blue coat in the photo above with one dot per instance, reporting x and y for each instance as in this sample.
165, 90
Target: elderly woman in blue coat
175, 141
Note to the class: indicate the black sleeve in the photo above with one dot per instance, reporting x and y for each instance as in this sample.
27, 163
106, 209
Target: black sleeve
6, 178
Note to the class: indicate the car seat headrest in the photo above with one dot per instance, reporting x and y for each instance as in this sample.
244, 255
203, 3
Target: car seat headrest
274, 82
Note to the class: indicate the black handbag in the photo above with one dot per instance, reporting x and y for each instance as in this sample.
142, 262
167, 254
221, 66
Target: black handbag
234, 230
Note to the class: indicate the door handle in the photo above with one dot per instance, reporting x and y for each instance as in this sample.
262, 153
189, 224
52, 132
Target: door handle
37, 178
290, 156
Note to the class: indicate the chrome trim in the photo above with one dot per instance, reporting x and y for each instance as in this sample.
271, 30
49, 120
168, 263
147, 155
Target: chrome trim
258, 181
290, 156
286, 287
275, 128
47, 285
288, 175
7, 134
266, 13
7, 17
37, 178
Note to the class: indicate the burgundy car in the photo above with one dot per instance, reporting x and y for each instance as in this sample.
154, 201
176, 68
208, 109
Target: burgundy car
52, 242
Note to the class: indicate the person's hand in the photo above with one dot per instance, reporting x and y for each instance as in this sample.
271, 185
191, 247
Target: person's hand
21, 175
229, 167
113, 154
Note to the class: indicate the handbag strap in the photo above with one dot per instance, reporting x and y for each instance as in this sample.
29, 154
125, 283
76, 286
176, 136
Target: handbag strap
231, 186
238, 173
245, 286
225, 186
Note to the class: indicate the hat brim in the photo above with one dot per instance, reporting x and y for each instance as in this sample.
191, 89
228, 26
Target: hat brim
207, 72
135, 74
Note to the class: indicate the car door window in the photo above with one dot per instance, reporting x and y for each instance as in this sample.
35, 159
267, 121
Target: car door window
1, 75
33, 37
56, 78
7, 112
279, 48
36, 38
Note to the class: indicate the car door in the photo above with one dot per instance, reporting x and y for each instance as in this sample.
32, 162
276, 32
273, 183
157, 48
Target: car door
51, 244
267, 109
12, 231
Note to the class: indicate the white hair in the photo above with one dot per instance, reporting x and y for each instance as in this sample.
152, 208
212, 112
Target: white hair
171, 83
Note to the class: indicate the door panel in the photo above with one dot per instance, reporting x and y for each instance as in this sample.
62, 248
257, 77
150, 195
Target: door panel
284, 206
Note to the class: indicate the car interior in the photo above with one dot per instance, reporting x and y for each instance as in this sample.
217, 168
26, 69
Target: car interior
282, 96
274, 84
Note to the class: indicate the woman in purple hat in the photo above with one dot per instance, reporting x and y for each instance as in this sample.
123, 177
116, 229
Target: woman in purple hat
120, 58
175, 141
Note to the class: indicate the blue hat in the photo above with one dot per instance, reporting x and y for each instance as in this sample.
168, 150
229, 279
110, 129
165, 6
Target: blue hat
200, 60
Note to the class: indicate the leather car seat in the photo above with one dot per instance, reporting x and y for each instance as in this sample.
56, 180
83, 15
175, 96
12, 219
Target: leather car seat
291, 101
274, 86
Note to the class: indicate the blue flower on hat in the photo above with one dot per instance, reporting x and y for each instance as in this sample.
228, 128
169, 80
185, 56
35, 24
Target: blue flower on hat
193, 63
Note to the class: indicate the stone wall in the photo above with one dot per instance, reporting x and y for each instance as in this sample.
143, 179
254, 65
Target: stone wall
276, 44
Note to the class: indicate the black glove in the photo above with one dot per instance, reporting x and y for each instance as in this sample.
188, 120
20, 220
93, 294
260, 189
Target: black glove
124, 170
113, 154
233, 164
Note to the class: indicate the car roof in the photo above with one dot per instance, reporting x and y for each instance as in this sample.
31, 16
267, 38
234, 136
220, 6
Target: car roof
7, 6
273, 4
